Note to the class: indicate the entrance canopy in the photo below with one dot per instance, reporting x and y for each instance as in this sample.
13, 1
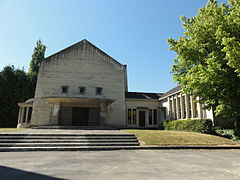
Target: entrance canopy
78, 101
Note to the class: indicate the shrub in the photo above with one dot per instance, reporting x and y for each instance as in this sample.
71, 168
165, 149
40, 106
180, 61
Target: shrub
195, 125
229, 133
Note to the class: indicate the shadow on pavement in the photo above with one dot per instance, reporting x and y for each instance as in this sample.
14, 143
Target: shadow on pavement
8, 173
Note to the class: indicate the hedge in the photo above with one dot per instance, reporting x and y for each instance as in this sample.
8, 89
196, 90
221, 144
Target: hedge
195, 125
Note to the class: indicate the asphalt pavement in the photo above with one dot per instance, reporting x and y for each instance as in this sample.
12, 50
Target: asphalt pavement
122, 164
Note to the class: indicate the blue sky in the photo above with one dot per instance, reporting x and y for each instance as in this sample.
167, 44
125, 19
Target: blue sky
134, 32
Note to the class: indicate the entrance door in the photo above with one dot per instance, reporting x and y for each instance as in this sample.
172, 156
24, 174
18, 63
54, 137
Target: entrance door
80, 116
141, 118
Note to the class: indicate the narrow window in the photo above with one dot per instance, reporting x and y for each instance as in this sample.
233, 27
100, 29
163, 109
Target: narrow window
82, 90
165, 113
129, 116
150, 116
64, 89
155, 116
98, 90
134, 117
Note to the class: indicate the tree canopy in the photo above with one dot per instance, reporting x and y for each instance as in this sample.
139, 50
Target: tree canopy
15, 87
208, 57
37, 58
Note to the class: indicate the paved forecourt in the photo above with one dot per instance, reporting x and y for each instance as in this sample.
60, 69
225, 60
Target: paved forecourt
122, 164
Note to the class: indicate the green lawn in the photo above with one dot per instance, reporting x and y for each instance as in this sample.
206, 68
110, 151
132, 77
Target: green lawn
164, 137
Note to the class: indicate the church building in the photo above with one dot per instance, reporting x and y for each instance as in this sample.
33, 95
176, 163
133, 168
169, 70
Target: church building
83, 86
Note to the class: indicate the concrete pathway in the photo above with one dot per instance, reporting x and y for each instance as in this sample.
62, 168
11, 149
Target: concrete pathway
126, 165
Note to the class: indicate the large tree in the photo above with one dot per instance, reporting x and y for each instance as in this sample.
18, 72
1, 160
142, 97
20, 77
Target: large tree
15, 87
37, 58
208, 57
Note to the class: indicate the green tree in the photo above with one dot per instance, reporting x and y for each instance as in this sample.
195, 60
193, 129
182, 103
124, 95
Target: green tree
208, 57
15, 87
37, 58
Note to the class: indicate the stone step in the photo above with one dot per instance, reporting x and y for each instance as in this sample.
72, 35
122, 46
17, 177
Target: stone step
67, 137
65, 141
67, 144
69, 148
78, 127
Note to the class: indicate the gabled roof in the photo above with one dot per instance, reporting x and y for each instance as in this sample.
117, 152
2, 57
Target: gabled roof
142, 95
172, 91
81, 44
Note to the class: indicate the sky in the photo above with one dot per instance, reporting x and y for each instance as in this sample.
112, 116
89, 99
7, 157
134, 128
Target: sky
134, 32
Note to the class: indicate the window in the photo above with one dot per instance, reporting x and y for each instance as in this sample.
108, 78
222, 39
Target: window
129, 116
82, 90
155, 116
134, 117
150, 116
65, 89
165, 112
98, 90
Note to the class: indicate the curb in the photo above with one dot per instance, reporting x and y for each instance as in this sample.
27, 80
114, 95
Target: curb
187, 147
119, 148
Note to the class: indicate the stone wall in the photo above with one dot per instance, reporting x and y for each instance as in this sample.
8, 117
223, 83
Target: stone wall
143, 105
81, 65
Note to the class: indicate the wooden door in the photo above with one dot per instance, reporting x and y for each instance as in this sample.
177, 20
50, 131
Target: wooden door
80, 116
141, 118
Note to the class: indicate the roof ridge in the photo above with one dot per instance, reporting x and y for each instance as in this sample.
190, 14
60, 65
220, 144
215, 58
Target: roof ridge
144, 92
92, 45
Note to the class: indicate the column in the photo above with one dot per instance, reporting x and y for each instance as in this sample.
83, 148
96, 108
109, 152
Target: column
177, 106
22, 114
102, 113
187, 106
199, 108
55, 114
181, 106
19, 115
192, 107
173, 110
169, 108
26, 115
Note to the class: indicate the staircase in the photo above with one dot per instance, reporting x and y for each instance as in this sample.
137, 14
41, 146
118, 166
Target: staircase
66, 141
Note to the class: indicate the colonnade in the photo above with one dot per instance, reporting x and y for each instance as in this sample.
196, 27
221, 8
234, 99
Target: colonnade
183, 106
24, 114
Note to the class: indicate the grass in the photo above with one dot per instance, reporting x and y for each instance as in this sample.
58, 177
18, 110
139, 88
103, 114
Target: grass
165, 138
10, 129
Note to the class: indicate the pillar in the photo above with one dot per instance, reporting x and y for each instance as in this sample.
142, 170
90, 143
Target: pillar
192, 107
22, 114
26, 118
55, 114
173, 110
19, 115
187, 106
102, 113
199, 108
177, 106
169, 108
181, 106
